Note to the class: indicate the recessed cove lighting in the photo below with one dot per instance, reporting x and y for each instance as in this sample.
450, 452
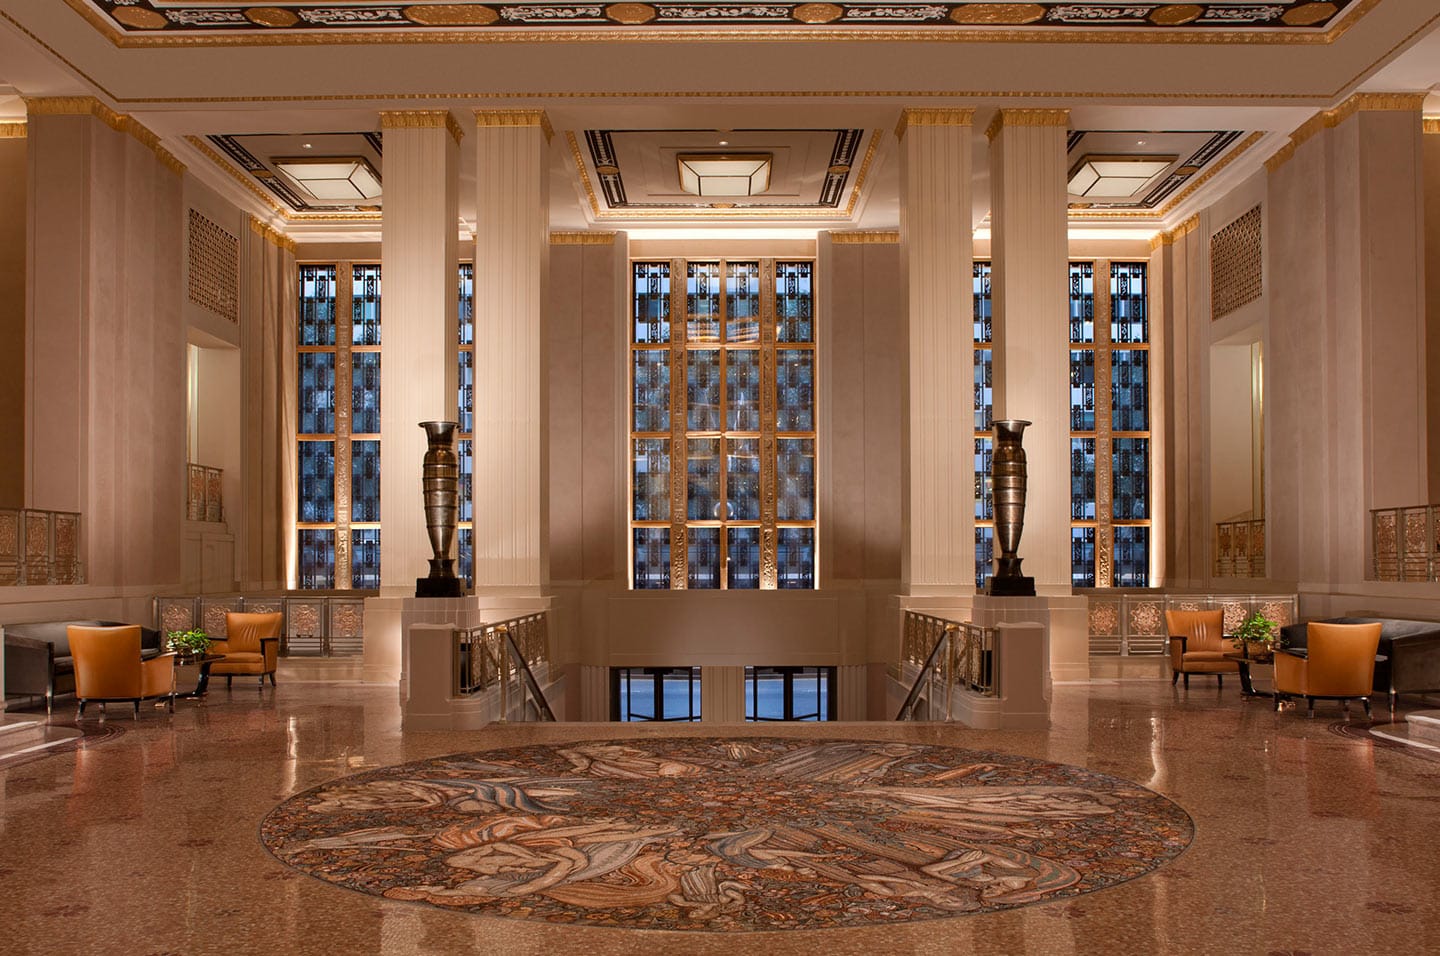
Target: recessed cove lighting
332, 178
1116, 177
724, 174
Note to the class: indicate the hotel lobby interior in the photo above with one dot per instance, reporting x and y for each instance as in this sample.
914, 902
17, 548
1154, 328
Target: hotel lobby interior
795, 693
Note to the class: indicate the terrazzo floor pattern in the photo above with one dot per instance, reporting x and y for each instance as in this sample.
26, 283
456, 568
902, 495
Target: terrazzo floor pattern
1307, 840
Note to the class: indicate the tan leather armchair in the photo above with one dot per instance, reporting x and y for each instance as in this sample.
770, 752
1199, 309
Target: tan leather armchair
108, 668
251, 647
1337, 664
1198, 645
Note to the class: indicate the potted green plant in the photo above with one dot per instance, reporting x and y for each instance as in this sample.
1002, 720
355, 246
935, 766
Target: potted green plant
189, 644
1256, 634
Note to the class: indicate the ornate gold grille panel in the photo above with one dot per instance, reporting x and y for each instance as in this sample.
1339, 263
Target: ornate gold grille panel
1236, 255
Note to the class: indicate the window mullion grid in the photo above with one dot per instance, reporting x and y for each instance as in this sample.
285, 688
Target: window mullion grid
769, 536
344, 403
1104, 409
679, 417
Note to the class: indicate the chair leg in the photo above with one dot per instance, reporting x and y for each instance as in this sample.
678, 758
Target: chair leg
80, 709
1174, 676
1366, 702
272, 678
1187, 680
137, 709
262, 683
50, 702
1220, 680
1393, 695
229, 681
1276, 696
1310, 706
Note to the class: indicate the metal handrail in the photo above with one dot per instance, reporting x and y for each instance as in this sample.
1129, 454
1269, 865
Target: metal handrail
961, 656
495, 654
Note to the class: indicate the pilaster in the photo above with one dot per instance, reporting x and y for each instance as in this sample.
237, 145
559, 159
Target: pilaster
419, 257
1031, 343
936, 253
512, 251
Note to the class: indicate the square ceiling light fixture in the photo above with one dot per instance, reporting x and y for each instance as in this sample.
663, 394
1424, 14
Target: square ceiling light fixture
1115, 177
724, 174
332, 178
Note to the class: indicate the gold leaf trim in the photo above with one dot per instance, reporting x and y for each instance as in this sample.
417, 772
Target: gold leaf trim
421, 119
932, 117
998, 13
1329, 119
1172, 16
13, 130
630, 13
1430, 125
582, 238
276, 17
1047, 118
1309, 14
818, 12
272, 235
489, 118
450, 15
120, 122
141, 19
864, 237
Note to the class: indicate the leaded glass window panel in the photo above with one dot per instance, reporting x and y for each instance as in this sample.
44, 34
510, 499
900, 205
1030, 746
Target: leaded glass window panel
652, 303
317, 558
1082, 479
1082, 557
794, 302
703, 566
742, 476
743, 566
742, 295
983, 400
317, 305
983, 303
794, 391
317, 482
652, 391
365, 393
465, 455
1082, 390
465, 387
365, 558
984, 389
1131, 479
715, 383
984, 555
702, 302
365, 481
742, 390
796, 557
796, 472
1130, 390
1132, 556
365, 302
1082, 302
702, 390
465, 311
465, 549
984, 492
1128, 306
652, 558
317, 393
704, 501
651, 480
465, 414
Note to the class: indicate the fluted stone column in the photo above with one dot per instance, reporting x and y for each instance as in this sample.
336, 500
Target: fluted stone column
511, 266
419, 257
936, 254
1031, 346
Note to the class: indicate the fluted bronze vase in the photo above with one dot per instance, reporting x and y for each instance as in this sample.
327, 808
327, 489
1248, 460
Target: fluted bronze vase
441, 484
1008, 477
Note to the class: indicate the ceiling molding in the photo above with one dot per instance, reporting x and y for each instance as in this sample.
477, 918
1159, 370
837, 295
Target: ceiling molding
864, 236
139, 23
515, 118
120, 122
422, 119
583, 238
1194, 183
272, 235
1035, 118
1329, 119
13, 130
254, 189
932, 117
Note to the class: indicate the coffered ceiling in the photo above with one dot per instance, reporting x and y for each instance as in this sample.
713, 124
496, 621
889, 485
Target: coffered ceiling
1211, 87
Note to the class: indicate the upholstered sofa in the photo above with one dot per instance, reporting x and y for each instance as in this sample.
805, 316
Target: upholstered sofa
1411, 649
38, 662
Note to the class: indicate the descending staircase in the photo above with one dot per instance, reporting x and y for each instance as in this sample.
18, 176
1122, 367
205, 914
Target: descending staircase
1421, 729
21, 735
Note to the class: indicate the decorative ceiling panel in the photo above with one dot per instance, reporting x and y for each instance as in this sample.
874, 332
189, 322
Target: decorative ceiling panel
203, 21
254, 155
1193, 152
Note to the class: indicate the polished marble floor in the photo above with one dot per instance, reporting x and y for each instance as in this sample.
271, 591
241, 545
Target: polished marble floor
1310, 837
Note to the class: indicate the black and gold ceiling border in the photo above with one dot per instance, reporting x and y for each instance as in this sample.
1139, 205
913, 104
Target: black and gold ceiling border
1179, 176
176, 22
231, 146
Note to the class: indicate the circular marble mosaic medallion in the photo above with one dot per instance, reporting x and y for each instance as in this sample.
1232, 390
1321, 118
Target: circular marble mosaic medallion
728, 834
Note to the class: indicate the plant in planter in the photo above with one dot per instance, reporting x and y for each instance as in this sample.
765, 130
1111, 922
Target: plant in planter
1257, 634
192, 643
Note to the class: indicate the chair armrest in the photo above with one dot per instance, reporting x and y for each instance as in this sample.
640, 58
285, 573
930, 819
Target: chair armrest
219, 645
157, 675
1181, 638
270, 650
1302, 653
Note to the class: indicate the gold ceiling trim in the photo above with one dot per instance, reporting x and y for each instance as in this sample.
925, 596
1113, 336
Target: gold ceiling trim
120, 122
421, 119
1195, 183
286, 215
16, 130
864, 237
800, 33
1329, 119
725, 213
583, 238
933, 117
272, 235
1430, 125
1042, 118
516, 118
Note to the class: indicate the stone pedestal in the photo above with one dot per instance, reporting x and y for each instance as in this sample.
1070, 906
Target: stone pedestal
1064, 621
388, 618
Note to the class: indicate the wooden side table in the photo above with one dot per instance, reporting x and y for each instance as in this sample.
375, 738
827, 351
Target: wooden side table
202, 683
1247, 689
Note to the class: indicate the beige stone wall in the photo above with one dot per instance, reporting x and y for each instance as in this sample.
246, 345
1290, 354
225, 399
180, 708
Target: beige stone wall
12, 322
1431, 158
